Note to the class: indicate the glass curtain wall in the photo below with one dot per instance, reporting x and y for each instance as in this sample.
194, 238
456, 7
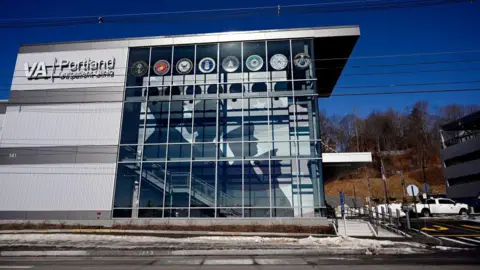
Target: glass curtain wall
224, 130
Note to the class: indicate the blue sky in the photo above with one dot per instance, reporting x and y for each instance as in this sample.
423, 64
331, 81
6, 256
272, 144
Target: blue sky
400, 31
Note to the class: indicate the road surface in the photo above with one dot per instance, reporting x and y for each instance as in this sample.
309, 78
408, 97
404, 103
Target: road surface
442, 261
461, 233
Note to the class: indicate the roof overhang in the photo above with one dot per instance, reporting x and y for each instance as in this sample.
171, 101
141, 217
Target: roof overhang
336, 165
468, 122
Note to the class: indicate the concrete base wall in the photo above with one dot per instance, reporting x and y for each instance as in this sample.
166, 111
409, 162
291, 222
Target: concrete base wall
183, 222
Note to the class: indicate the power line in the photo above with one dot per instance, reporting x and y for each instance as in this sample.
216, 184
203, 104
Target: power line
325, 7
419, 91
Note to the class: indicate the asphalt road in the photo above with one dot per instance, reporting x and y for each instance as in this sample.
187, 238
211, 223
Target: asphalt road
462, 233
394, 262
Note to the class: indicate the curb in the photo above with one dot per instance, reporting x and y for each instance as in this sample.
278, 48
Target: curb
171, 234
227, 252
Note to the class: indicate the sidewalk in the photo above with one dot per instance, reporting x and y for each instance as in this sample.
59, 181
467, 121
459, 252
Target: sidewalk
61, 244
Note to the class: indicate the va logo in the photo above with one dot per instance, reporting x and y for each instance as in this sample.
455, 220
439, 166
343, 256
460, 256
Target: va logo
38, 69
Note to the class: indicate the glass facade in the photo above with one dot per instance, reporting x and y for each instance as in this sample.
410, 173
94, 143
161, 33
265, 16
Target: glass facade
220, 130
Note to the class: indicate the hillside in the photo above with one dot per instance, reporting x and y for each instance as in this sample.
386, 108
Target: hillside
394, 187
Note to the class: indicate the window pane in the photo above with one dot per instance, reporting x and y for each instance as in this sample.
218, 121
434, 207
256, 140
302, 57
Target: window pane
229, 212
130, 153
138, 65
302, 59
255, 62
205, 120
161, 66
127, 176
257, 212
207, 64
203, 185
135, 94
283, 212
202, 212
256, 119
230, 151
306, 183
204, 151
154, 152
180, 122
152, 185
231, 62
230, 120
282, 129
157, 122
178, 177
256, 181
179, 151
229, 184
279, 68
283, 183
133, 123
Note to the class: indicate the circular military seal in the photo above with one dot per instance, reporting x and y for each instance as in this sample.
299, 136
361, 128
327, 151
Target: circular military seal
139, 68
230, 63
278, 61
206, 65
184, 66
302, 60
161, 67
254, 62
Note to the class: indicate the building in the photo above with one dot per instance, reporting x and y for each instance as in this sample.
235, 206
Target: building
199, 126
461, 159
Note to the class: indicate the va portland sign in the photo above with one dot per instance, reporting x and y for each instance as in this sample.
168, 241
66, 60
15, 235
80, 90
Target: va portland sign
65, 69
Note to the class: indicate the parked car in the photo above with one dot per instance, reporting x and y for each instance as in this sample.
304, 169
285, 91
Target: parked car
439, 206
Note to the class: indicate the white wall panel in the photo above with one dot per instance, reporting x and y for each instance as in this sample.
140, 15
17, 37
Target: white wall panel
56, 187
20, 81
2, 118
62, 125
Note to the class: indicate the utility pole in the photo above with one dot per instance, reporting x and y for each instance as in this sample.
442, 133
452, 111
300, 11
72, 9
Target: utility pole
384, 177
356, 129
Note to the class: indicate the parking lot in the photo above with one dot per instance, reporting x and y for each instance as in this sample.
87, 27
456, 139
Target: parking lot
463, 233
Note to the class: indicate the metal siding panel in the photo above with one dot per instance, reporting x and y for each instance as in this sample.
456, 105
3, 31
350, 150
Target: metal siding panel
197, 38
62, 124
56, 187
462, 169
461, 149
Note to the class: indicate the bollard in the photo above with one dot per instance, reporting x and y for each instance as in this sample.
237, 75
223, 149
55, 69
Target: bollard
472, 210
398, 218
408, 220
390, 215
383, 214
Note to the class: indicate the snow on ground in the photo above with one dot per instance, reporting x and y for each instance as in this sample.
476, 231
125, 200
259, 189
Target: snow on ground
115, 241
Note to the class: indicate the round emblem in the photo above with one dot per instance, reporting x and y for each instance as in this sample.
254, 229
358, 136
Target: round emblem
279, 61
139, 68
254, 62
184, 66
206, 65
302, 60
161, 67
230, 63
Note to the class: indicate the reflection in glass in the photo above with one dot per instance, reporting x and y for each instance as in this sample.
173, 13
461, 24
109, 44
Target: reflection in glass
229, 184
230, 120
177, 185
180, 122
128, 175
256, 180
157, 122
138, 66
133, 123
154, 152
203, 185
130, 153
152, 185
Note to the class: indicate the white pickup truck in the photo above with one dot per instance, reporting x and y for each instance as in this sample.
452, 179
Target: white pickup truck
440, 206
